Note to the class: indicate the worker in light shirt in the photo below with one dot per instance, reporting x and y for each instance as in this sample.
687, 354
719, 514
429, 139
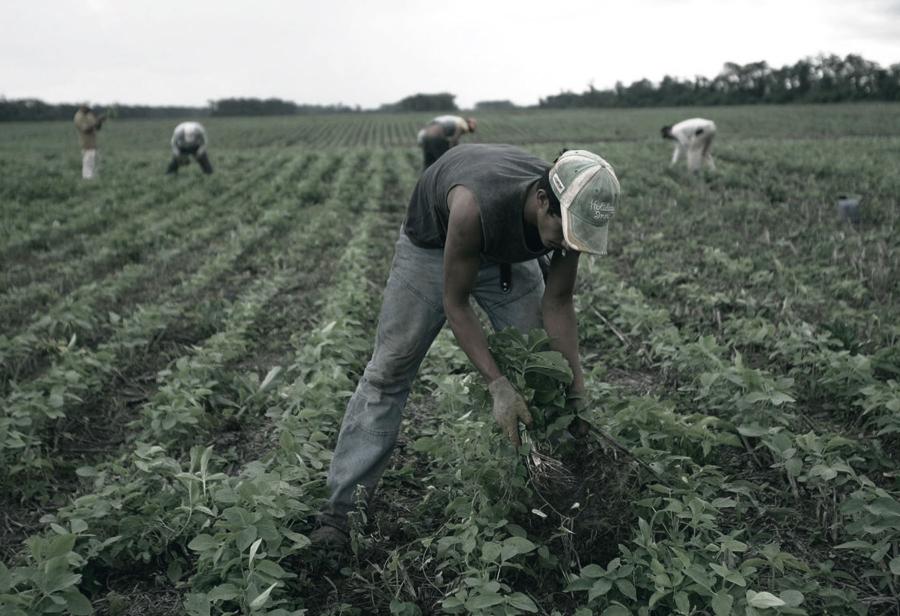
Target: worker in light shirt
441, 134
88, 124
693, 138
189, 140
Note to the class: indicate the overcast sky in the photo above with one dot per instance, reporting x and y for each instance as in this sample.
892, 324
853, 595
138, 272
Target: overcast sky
369, 53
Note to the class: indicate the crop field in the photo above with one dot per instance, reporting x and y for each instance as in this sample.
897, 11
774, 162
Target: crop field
177, 352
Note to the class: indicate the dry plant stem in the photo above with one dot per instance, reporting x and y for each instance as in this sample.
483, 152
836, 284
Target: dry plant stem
612, 327
545, 470
620, 447
752, 453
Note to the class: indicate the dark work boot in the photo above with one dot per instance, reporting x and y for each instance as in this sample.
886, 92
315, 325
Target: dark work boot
329, 538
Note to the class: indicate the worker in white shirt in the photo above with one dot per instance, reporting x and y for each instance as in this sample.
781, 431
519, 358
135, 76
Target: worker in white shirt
189, 139
694, 138
441, 134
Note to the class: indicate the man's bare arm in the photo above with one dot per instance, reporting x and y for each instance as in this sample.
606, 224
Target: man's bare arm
558, 310
462, 258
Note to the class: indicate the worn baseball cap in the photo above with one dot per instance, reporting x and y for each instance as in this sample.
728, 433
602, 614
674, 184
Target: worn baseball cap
588, 193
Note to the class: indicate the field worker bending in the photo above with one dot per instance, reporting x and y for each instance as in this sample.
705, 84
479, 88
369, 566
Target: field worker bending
694, 138
441, 134
479, 215
189, 139
87, 123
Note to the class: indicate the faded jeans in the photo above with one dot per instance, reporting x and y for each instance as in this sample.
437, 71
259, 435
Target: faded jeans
411, 316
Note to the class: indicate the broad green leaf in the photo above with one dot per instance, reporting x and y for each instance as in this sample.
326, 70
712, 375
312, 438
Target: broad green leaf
792, 598
593, 571
655, 597
270, 377
248, 537
57, 578
885, 506
753, 430
60, 546
270, 568
196, 604
779, 398
204, 459
696, 573
721, 603
253, 550
895, 565
78, 526
483, 600
452, 603
682, 602
627, 588
793, 467
86, 471
763, 600
616, 610
490, 551
736, 578
300, 540
77, 603
202, 543
579, 584
262, 597
424, 444
853, 545
522, 601
224, 592
513, 546
600, 588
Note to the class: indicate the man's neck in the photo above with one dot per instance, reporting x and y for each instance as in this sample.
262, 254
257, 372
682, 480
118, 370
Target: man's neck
529, 217
531, 206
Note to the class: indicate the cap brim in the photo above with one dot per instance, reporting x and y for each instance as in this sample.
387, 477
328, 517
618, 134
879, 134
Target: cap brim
583, 236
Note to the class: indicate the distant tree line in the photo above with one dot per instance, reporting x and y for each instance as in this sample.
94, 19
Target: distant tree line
270, 107
824, 79
34, 109
501, 105
443, 101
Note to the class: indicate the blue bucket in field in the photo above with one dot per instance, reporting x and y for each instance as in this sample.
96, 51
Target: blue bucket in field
848, 208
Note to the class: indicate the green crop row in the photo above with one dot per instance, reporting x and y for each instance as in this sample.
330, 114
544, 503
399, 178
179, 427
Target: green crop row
155, 465
78, 373
80, 313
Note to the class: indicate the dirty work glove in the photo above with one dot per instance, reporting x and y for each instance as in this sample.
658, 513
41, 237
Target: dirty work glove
509, 409
576, 402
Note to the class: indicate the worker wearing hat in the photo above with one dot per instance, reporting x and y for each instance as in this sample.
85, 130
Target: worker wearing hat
189, 139
476, 209
88, 124
441, 134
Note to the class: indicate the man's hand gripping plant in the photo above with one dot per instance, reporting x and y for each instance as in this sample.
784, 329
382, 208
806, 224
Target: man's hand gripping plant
509, 409
537, 378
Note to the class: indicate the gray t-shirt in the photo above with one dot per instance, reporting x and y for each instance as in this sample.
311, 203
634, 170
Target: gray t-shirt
499, 176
